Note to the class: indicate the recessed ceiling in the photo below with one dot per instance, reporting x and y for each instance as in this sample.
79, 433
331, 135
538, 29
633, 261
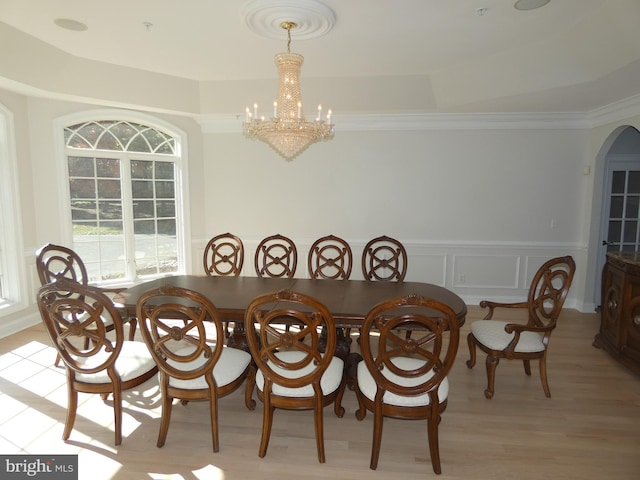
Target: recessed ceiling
569, 55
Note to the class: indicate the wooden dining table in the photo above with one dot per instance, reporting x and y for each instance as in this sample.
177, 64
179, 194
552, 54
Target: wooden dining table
349, 301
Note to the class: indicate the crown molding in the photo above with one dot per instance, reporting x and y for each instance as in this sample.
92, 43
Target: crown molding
408, 122
617, 111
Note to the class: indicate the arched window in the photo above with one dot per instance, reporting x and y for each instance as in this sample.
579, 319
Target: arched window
124, 199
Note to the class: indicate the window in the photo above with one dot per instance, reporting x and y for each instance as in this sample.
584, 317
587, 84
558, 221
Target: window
12, 277
124, 199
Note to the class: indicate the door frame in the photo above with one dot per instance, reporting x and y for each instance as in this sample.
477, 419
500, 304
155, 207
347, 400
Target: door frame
613, 161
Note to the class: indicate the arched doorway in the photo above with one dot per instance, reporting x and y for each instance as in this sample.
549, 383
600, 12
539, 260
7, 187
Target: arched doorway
619, 225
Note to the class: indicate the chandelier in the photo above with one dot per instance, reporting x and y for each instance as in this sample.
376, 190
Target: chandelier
288, 132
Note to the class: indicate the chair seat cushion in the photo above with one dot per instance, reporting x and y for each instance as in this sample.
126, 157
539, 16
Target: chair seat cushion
231, 364
329, 382
491, 334
368, 387
134, 360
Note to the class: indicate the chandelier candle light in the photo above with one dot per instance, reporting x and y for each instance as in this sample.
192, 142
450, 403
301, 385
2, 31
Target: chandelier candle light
288, 132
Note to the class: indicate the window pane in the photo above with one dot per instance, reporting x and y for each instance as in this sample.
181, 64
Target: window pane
142, 189
81, 167
141, 169
166, 208
81, 188
618, 182
165, 189
164, 170
155, 138
110, 210
124, 131
108, 167
112, 264
166, 227
632, 207
169, 265
143, 209
139, 144
109, 189
109, 142
630, 229
616, 207
111, 228
634, 182
84, 228
144, 227
83, 210
615, 232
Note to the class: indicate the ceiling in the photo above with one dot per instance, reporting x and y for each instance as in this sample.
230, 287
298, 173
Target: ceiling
567, 56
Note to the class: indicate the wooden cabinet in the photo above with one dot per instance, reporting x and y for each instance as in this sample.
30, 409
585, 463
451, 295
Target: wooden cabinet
620, 315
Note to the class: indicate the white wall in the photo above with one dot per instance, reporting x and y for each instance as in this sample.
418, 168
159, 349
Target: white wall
478, 209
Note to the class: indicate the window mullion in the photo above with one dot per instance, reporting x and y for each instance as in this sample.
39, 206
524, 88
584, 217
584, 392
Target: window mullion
127, 210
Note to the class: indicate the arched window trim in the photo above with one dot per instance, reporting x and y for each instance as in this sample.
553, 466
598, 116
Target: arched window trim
125, 144
13, 265
182, 173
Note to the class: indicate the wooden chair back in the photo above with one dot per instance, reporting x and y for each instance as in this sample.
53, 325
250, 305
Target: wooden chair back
330, 258
276, 256
407, 377
384, 259
292, 371
55, 261
174, 322
77, 318
224, 255
548, 291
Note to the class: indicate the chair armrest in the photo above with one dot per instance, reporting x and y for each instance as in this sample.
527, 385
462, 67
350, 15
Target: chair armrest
493, 305
519, 328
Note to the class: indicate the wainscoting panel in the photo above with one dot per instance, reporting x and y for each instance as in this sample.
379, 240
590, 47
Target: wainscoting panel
486, 271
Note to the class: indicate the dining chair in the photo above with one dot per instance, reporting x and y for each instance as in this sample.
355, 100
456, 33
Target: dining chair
74, 315
384, 259
520, 341
224, 255
276, 256
407, 378
292, 372
56, 261
330, 258
172, 322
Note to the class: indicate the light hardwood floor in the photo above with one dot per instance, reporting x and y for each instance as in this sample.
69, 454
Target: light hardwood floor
589, 429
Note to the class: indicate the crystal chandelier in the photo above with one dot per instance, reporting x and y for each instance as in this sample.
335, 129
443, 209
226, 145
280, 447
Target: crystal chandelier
288, 132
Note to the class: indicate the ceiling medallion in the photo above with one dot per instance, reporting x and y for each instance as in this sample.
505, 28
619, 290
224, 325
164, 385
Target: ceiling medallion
265, 17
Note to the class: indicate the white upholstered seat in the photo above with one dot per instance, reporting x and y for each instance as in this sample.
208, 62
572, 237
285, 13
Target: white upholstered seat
329, 383
368, 386
491, 333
